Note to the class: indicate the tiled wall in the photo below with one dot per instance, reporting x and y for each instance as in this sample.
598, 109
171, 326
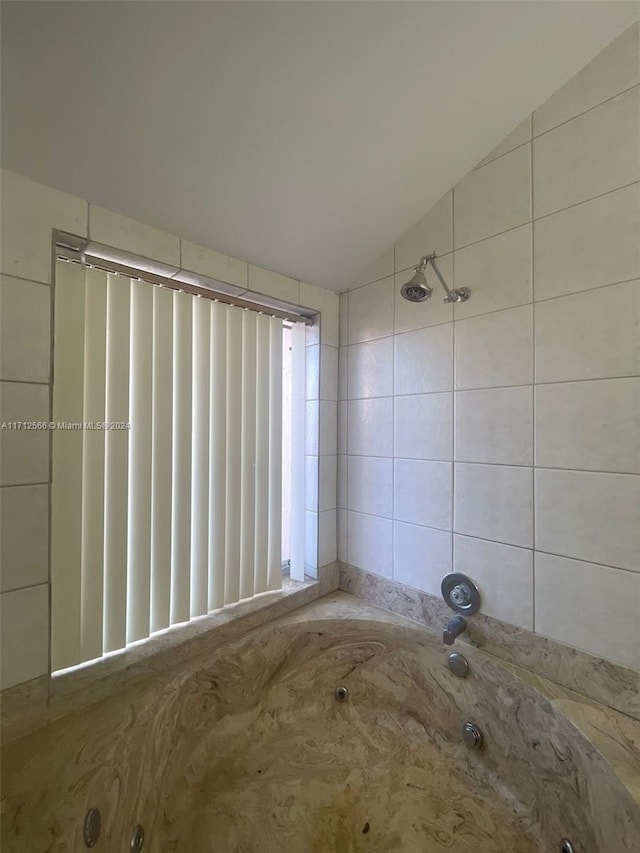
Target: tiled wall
501, 438
29, 213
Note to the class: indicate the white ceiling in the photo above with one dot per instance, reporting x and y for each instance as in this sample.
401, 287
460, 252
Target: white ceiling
302, 136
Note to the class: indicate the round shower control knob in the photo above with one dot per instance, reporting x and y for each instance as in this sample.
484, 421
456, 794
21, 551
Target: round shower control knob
472, 735
461, 593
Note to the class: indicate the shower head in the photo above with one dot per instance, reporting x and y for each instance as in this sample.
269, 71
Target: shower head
417, 289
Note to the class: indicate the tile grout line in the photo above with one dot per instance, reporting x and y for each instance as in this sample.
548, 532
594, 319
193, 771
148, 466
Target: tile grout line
346, 449
477, 389
533, 136
533, 392
486, 464
501, 542
584, 112
532, 302
453, 384
393, 424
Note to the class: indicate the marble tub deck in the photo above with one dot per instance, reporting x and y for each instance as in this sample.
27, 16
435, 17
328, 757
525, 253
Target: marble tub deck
246, 749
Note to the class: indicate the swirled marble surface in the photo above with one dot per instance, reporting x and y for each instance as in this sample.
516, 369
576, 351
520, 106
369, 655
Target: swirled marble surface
244, 748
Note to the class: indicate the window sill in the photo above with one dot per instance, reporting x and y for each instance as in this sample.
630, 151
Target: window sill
29, 706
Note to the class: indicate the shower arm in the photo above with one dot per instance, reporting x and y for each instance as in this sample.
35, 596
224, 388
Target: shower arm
460, 294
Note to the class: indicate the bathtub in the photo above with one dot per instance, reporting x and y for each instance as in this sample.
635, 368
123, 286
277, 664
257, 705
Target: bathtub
247, 748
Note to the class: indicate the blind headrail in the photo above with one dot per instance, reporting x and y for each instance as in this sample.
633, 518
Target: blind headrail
75, 250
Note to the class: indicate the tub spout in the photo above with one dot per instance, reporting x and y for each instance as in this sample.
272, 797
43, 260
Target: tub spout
454, 627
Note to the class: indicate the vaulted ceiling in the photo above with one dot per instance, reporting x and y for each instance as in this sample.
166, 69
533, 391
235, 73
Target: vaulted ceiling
301, 136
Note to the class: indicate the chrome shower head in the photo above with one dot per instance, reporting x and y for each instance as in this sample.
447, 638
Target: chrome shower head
416, 289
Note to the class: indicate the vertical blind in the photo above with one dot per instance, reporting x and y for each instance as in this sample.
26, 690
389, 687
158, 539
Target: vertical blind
167, 459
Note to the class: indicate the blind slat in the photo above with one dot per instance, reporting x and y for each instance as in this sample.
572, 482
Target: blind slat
161, 444
262, 454
217, 454
274, 560
200, 458
297, 450
248, 454
116, 463
66, 497
140, 438
181, 451
234, 425
93, 452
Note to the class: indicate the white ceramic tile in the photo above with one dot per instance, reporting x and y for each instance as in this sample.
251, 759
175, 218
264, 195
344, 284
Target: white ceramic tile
119, 231
589, 155
494, 502
327, 303
380, 268
371, 369
312, 372
570, 253
494, 198
24, 512
504, 575
343, 462
328, 373
431, 312
343, 338
421, 556
422, 492
273, 284
518, 136
25, 330
370, 427
342, 426
343, 372
213, 264
311, 483
432, 233
327, 482
592, 426
24, 454
424, 426
497, 271
590, 335
310, 543
312, 428
424, 360
370, 488
371, 311
328, 438
341, 534
590, 607
24, 631
495, 350
369, 543
589, 516
29, 213
612, 71
327, 537
495, 425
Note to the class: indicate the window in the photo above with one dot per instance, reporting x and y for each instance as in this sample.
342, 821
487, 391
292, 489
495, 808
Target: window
167, 458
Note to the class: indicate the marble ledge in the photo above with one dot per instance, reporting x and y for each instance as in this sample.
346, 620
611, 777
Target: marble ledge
597, 679
26, 707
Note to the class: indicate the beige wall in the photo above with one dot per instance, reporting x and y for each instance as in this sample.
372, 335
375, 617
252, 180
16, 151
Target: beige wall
501, 438
29, 213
